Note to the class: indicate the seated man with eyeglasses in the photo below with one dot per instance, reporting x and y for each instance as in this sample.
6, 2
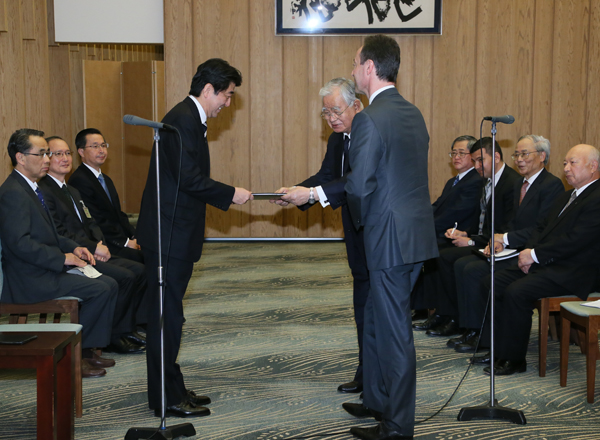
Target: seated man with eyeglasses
100, 195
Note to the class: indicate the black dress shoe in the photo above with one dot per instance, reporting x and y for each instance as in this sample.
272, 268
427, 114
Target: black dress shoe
379, 432
197, 400
350, 387
503, 367
459, 339
184, 409
123, 346
433, 321
481, 360
448, 329
420, 314
359, 410
135, 338
471, 345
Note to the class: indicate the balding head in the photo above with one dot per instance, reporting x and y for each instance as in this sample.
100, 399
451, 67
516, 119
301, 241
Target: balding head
581, 165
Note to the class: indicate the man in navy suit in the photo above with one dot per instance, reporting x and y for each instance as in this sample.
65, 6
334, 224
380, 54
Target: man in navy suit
388, 196
186, 188
340, 105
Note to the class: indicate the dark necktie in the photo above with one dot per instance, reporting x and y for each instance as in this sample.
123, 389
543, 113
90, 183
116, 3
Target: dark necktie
523, 191
346, 161
41, 197
456, 180
573, 197
103, 183
483, 204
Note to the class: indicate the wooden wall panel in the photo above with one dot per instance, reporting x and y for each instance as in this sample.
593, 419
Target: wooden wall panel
592, 128
28, 15
3, 23
60, 91
178, 60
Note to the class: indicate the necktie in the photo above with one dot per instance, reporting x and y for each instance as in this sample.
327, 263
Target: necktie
456, 180
41, 197
103, 183
483, 204
523, 191
573, 197
205, 129
346, 161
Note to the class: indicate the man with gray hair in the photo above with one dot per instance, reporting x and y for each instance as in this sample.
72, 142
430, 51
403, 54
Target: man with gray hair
340, 105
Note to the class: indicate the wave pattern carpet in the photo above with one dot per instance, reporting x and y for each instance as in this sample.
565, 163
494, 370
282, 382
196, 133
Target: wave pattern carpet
270, 335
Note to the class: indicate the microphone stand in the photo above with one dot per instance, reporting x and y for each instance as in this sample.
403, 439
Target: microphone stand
492, 410
183, 429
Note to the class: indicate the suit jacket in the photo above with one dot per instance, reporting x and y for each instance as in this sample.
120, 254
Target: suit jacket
458, 203
64, 213
33, 254
504, 209
387, 190
108, 215
567, 246
191, 194
534, 207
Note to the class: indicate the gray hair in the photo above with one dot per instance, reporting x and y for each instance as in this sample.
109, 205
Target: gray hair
470, 141
541, 144
345, 86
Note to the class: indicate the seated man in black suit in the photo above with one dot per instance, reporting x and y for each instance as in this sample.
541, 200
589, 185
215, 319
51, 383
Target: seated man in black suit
534, 195
445, 321
561, 258
73, 220
100, 195
458, 205
36, 258
340, 105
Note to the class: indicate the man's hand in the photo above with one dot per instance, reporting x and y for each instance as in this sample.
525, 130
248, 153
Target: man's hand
72, 260
241, 196
282, 190
299, 195
498, 247
525, 260
452, 235
132, 243
499, 238
83, 254
102, 253
461, 241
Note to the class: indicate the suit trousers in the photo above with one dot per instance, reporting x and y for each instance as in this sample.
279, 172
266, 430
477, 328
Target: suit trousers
129, 253
389, 351
447, 301
177, 274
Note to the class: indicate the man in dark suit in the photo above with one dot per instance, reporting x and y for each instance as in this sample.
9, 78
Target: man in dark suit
73, 220
534, 194
388, 196
101, 197
340, 105
186, 188
445, 320
35, 257
561, 258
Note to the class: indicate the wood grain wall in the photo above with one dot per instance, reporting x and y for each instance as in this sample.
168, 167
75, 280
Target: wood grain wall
535, 59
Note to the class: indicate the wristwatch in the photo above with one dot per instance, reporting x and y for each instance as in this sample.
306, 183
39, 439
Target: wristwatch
471, 242
311, 197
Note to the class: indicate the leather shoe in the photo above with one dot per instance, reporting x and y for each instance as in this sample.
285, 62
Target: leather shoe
184, 409
471, 345
123, 346
379, 432
448, 329
481, 360
197, 400
97, 361
433, 321
359, 410
350, 387
135, 338
503, 367
420, 314
88, 371
459, 339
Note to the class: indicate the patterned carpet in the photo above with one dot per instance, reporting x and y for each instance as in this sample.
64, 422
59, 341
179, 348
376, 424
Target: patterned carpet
269, 336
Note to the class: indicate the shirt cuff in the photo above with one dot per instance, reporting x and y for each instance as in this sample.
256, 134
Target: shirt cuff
322, 197
534, 256
505, 239
126, 243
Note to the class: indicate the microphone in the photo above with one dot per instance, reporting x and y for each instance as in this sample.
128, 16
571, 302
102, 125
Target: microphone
136, 120
506, 119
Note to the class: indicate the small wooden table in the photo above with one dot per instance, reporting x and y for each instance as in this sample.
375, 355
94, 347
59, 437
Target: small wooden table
51, 355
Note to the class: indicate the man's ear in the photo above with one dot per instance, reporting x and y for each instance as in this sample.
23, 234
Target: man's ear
208, 90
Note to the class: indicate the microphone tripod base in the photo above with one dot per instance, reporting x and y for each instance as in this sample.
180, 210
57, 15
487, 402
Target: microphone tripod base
168, 433
489, 412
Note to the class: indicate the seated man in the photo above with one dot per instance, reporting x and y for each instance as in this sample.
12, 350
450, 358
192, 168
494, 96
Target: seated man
73, 220
534, 195
561, 258
445, 321
35, 257
100, 195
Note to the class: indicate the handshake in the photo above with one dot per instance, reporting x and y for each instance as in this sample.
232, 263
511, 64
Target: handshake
296, 195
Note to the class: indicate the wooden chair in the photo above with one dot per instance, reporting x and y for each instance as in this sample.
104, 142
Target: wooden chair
587, 320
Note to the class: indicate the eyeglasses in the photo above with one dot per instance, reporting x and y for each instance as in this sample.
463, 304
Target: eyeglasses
61, 154
96, 146
518, 156
41, 153
325, 114
458, 153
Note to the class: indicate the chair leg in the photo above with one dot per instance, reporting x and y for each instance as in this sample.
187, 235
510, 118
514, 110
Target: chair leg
78, 379
591, 343
565, 327
544, 312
